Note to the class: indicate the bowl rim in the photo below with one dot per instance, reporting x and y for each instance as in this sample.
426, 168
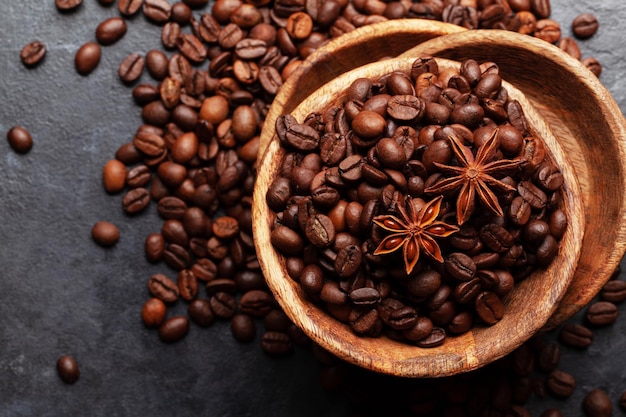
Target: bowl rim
477, 347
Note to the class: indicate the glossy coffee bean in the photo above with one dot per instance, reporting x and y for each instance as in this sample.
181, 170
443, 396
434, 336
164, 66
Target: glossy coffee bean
153, 312
114, 176
575, 335
560, 383
105, 234
163, 288
585, 25
200, 312
602, 313
276, 343
597, 403
67, 369
111, 30
174, 329
67, 5
33, 53
131, 68
243, 328
87, 58
19, 139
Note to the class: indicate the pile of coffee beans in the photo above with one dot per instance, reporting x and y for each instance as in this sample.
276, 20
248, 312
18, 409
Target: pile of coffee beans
411, 208
247, 75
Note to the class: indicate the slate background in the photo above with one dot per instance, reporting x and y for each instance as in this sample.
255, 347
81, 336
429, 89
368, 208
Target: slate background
60, 293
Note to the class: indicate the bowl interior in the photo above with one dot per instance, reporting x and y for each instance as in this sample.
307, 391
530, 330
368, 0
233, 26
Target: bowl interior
588, 125
458, 354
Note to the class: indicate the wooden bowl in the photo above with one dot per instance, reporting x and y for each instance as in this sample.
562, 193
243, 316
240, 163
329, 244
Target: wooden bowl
482, 345
588, 125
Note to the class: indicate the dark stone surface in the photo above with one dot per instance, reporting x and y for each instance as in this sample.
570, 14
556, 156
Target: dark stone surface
62, 294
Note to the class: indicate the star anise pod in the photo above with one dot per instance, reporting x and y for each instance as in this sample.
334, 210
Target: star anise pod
414, 232
475, 175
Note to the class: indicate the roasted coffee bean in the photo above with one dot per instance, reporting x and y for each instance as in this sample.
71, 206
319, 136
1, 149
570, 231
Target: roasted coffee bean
541, 8
460, 266
129, 7
348, 261
153, 312
114, 176
320, 230
585, 25
181, 13
67, 369
256, 303
548, 30
87, 58
547, 250
466, 291
192, 48
436, 338
364, 296
243, 328
67, 5
105, 234
560, 383
226, 285
613, 291
489, 307
223, 305
592, 65
174, 329
204, 269
312, 279
158, 11
570, 46
138, 176
131, 67
575, 335
602, 313
154, 247
363, 320
200, 312
156, 64
403, 318
276, 343
597, 404
20, 139
496, 237
187, 284
111, 30
170, 34
176, 257
549, 357
33, 53
135, 200
163, 288
171, 208
331, 293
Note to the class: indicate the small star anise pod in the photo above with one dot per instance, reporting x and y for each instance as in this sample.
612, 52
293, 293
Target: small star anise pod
475, 175
414, 232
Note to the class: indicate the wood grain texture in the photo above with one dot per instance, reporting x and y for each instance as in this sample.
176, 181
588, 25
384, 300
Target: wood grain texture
527, 307
587, 123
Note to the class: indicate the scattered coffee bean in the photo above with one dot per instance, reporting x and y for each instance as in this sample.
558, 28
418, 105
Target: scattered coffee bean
87, 58
575, 335
68, 370
33, 53
585, 25
111, 30
174, 329
67, 5
243, 328
131, 67
20, 139
602, 313
105, 234
114, 176
128, 8
153, 312
597, 404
